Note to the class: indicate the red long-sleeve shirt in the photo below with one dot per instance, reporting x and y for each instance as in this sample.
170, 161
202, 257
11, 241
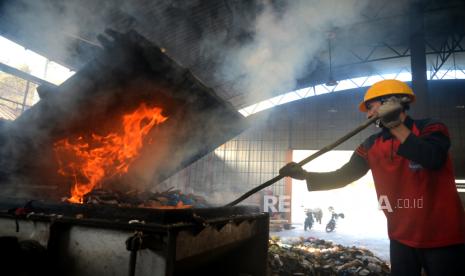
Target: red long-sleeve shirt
414, 182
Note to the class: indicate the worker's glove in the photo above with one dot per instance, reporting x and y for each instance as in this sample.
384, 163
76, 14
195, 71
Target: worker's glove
392, 119
293, 170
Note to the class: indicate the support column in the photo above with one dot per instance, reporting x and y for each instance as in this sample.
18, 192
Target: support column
288, 186
287, 159
418, 59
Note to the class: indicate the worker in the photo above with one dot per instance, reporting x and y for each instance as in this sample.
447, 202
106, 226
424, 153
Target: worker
414, 180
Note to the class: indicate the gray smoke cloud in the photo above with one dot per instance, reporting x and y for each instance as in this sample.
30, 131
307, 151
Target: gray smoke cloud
282, 41
63, 30
283, 38
286, 42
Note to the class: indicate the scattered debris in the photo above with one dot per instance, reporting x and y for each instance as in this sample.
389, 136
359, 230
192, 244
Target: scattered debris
310, 256
169, 199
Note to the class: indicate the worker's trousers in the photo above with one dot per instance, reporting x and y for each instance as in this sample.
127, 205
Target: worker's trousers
440, 261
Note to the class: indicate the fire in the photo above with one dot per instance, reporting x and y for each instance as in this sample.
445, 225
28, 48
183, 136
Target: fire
90, 160
178, 205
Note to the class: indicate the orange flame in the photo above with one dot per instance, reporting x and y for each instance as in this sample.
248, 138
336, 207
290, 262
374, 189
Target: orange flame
178, 205
105, 156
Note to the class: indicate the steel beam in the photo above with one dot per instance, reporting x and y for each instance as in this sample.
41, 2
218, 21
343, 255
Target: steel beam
23, 75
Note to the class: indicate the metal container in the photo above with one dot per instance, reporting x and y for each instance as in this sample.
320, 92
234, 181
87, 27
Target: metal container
106, 240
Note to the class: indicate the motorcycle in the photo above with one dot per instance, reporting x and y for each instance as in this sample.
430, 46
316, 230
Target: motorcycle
332, 223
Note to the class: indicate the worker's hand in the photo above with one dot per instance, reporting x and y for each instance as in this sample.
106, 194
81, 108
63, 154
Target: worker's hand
293, 170
390, 119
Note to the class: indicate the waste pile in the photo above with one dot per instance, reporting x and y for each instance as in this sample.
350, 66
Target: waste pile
310, 256
164, 200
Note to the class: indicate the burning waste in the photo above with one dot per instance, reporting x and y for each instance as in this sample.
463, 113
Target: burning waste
168, 199
91, 159
128, 120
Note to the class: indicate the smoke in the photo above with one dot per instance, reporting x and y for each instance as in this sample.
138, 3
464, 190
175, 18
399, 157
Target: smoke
286, 40
259, 48
62, 30
275, 45
212, 177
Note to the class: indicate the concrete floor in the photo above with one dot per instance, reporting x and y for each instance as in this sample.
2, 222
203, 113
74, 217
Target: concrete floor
344, 235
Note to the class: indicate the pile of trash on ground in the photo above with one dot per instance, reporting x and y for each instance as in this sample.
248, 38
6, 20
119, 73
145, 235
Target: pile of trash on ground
310, 256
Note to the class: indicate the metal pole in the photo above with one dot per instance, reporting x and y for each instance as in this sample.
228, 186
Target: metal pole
318, 153
306, 160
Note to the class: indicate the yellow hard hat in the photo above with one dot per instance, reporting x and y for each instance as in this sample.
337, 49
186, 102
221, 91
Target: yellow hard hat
386, 88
